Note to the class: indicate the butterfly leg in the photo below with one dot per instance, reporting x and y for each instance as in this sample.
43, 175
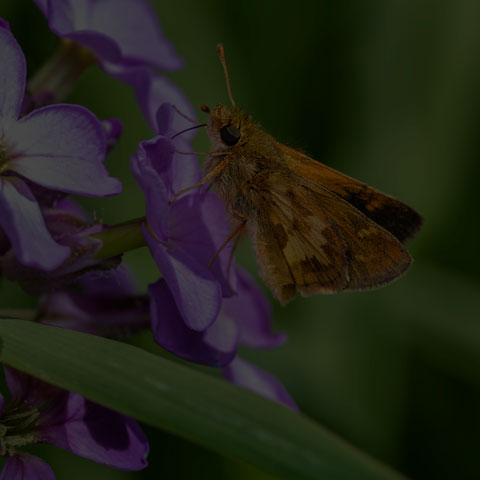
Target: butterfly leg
243, 220
206, 178
236, 231
230, 262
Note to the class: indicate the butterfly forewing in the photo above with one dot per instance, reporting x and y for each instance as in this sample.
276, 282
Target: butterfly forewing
392, 214
308, 239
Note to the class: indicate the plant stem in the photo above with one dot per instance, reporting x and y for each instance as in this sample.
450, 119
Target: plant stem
121, 238
59, 74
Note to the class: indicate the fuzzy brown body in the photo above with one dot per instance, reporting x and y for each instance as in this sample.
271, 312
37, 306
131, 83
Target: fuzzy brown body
314, 229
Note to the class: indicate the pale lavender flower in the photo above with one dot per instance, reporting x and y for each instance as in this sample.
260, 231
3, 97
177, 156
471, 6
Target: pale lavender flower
59, 147
69, 226
127, 42
118, 32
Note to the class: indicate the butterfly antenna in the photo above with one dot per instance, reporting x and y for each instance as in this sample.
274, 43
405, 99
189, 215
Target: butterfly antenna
188, 129
186, 117
221, 56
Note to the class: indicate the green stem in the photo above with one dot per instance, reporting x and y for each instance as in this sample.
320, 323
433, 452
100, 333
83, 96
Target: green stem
59, 74
121, 238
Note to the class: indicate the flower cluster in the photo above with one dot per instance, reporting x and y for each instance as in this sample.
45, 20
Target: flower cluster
202, 308
38, 412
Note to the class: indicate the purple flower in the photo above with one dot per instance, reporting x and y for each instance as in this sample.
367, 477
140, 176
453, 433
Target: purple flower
128, 43
69, 226
99, 303
183, 236
59, 147
152, 91
23, 466
41, 413
113, 130
244, 319
215, 346
118, 32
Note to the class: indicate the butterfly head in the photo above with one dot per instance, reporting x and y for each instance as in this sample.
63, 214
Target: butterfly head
228, 127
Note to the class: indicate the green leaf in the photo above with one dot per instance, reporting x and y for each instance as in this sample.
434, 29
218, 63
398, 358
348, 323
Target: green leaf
183, 401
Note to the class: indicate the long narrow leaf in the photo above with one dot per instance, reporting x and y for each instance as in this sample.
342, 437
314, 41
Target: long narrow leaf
193, 405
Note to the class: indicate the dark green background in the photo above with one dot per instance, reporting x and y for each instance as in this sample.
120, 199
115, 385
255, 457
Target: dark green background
387, 92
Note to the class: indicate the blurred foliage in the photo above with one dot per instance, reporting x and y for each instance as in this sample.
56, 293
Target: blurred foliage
387, 92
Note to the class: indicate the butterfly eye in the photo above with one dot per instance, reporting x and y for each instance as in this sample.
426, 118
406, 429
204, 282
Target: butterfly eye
230, 135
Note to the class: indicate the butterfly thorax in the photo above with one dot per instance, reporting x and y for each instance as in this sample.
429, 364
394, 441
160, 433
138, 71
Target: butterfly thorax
244, 165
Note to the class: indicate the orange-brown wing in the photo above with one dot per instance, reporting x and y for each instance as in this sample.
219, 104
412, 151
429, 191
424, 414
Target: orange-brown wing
388, 212
309, 239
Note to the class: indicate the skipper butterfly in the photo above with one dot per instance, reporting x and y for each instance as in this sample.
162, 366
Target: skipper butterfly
314, 229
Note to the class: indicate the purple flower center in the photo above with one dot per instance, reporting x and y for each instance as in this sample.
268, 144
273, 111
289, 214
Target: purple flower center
17, 429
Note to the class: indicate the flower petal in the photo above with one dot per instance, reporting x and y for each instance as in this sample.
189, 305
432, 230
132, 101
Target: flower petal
24, 466
153, 90
251, 377
68, 204
119, 281
165, 115
4, 24
100, 44
215, 346
251, 311
101, 303
70, 20
196, 292
173, 171
152, 158
22, 221
42, 5
130, 24
62, 147
111, 316
198, 224
27, 390
71, 230
161, 90
113, 130
12, 76
183, 171
92, 431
